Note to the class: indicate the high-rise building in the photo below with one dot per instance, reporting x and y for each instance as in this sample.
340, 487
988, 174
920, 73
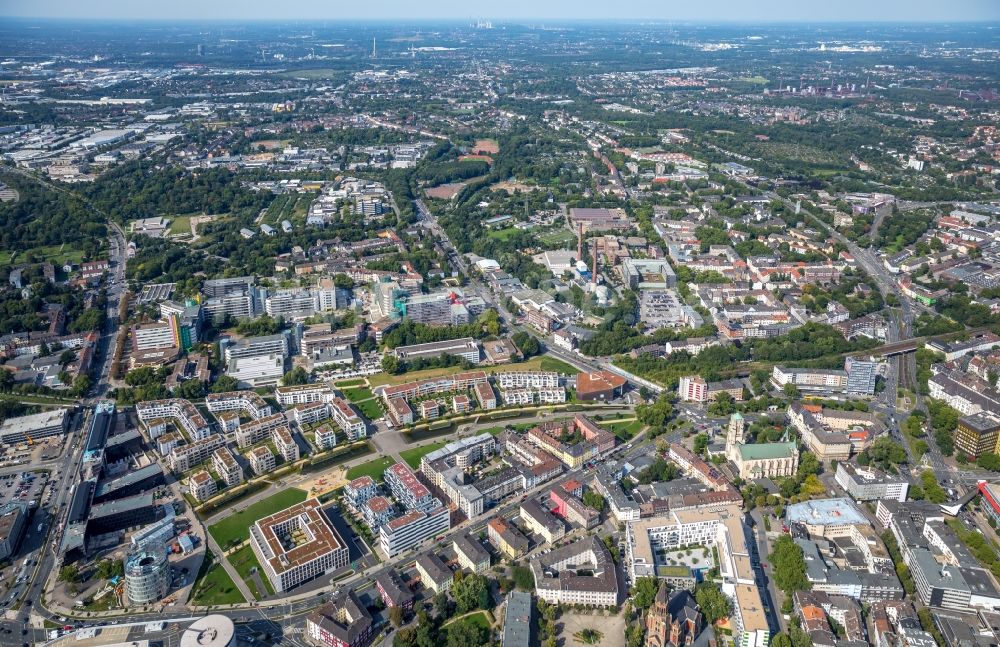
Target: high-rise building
861, 376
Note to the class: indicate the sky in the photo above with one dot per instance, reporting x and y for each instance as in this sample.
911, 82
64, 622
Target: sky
680, 10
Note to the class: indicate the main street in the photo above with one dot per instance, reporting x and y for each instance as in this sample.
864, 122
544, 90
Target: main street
15, 626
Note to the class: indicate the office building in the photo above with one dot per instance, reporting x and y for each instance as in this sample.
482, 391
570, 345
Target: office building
296, 545
36, 426
13, 523
870, 484
861, 376
465, 348
147, 577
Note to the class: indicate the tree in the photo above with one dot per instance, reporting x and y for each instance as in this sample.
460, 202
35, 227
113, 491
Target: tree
466, 634
789, 566
296, 376
391, 364
644, 592
526, 343
713, 603
69, 573
81, 385
224, 384
523, 578
442, 605
396, 616
808, 465
989, 462
593, 500
471, 592
657, 414
791, 391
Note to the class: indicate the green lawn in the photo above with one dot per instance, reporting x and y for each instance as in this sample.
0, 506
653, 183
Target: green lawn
373, 468
623, 430
358, 394
502, 234
547, 363
351, 382
214, 586
369, 409
180, 225
244, 561
478, 618
236, 527
557, 237
58, 255
413, 456
539, 363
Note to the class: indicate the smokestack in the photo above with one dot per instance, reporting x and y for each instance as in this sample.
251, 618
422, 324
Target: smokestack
593, 270
579, 241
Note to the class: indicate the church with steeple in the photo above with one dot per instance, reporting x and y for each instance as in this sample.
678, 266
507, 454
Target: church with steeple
673, 620
759, 460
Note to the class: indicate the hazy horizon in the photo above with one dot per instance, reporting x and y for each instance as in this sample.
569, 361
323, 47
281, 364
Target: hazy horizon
708, 11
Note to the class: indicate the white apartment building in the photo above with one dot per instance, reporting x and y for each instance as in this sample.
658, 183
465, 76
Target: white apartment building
325, 437
348, 419
303, 394
412, 529
261, 460
184, 414
254, 432
184, 457
287, 447
308, 414
518, 397
249, 402
226, 467
202, 485
527, 380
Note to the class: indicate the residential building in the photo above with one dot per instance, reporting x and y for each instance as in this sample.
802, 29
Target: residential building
541, 521
507, 539
434, 573
412, 529
560, 574
471, 554
393, 591
226, 467
201, 485
408, 490
261, 460
344, 621
285, 444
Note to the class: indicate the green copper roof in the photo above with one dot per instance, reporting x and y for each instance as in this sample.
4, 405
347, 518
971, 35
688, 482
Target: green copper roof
766, 451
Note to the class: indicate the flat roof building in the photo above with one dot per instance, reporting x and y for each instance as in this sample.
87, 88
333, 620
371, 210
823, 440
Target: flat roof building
297, 544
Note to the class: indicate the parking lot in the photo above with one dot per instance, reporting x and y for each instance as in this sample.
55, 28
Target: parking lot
24, 487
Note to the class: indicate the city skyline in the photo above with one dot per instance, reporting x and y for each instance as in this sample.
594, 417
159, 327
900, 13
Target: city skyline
711, 11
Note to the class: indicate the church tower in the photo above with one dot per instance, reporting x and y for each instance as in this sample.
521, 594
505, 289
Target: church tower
735, 434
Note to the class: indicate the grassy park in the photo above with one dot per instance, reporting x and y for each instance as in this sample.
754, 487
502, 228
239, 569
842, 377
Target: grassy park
373, 468
236, 527
214, 586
